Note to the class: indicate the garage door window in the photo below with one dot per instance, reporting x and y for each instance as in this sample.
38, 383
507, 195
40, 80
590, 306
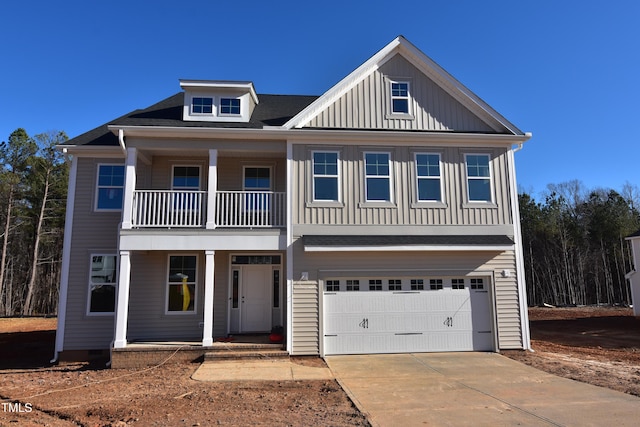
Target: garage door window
353, 285
435, 284
333, 285
477, 284
375, 285
395, 285
457, 283
417, 284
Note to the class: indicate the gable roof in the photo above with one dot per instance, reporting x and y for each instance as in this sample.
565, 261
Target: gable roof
401, 46
273, 110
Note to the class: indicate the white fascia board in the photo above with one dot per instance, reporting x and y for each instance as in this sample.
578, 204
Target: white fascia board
92, 150
343, 86
411, 248
303, 136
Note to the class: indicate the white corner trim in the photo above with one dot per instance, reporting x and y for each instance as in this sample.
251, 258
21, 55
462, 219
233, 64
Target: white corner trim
66, 258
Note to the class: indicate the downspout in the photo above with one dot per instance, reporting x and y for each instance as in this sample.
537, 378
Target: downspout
517, 235
121, 141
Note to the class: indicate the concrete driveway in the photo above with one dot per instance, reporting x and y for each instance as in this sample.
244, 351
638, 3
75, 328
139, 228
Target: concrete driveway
475, 389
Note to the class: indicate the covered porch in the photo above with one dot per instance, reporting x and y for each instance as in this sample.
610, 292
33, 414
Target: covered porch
196, 299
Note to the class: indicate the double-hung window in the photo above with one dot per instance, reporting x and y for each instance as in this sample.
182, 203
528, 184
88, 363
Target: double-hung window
186, 184
377, 177
110, 187
102, 284
181, 283
400, 97
325, 176
478, 177
428, 173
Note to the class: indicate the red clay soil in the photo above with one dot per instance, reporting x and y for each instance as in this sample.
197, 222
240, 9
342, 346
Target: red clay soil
600, 346
34, 393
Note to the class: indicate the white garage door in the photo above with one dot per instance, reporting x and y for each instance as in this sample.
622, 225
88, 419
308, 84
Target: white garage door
364, 316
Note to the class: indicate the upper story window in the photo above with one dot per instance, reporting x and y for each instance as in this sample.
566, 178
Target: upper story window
230, 106
186, 177
478, 177
429, 185
110, 187
257, 178
325, 176
377, 177
201, 105
400, 97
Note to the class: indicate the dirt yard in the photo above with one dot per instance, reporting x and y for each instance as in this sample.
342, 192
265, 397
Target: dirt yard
73, 394
600, 346
595, 345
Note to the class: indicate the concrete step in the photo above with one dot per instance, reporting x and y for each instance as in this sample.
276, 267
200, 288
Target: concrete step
236, 354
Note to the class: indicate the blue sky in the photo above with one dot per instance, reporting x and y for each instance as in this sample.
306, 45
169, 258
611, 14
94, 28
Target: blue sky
566, 71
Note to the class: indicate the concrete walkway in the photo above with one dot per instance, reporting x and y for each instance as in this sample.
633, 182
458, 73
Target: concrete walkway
474, 389
259, 370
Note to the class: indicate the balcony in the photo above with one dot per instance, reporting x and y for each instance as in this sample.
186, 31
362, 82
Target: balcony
188, 209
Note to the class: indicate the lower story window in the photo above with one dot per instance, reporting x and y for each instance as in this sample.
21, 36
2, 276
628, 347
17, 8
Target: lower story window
102, 284
457, 283
181, 284
435, 284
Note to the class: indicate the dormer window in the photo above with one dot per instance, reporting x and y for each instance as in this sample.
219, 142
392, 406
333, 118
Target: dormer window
230, 106
202, 105
218, 101
400, 98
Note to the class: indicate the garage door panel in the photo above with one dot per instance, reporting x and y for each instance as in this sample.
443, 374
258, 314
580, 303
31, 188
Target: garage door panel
446, 319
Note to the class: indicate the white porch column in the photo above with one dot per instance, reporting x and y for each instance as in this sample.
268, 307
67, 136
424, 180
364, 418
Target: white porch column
129, 187
209, 270
122, 301
212, 188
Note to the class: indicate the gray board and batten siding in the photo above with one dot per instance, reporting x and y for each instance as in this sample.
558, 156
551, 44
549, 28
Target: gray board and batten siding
366, 105
404, 209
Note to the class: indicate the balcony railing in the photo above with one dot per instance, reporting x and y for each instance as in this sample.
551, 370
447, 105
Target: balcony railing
177, 209
250, 209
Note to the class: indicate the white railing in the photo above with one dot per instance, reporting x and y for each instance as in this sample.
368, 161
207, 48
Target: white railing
250, 209
167, 208
173, 209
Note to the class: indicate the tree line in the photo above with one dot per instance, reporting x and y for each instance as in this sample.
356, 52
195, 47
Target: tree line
33, 192
574, 244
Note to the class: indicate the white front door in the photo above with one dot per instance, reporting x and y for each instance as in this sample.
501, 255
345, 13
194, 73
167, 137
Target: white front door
255, 299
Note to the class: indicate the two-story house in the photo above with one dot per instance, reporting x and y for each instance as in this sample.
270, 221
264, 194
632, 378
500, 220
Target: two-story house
379, 217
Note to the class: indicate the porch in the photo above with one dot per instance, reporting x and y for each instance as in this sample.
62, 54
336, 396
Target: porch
142, 354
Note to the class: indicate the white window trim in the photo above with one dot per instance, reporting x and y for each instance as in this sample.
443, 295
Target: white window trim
490, 202
390, 177
418, 201
396, 115
314, 176
167, 284
173, 169
90, 284
98, 186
